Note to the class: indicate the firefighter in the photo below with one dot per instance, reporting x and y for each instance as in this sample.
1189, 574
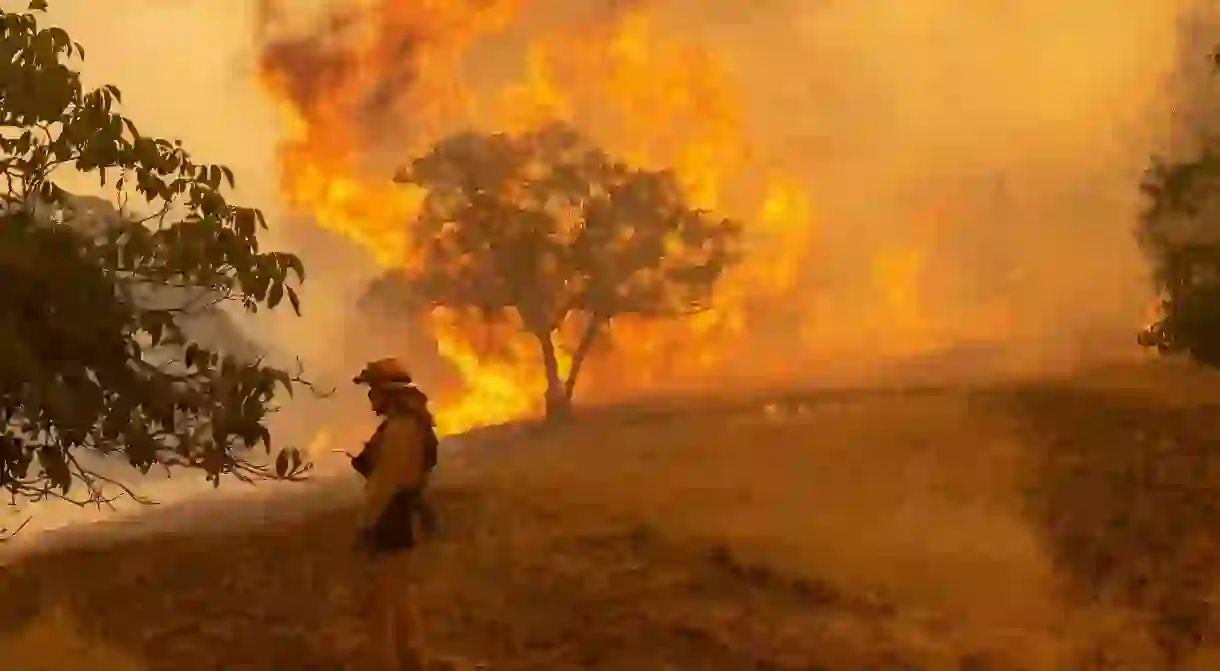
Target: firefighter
396, 462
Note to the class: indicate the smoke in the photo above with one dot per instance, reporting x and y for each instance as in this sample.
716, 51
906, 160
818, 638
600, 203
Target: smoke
1194, 104
1015, 132
1022, 127
972, 166
990, 150
983, 155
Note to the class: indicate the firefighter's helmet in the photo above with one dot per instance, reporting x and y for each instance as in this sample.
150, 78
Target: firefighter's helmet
384, 372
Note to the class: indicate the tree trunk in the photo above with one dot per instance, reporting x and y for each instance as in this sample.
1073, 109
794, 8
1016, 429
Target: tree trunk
558, 404
581, 353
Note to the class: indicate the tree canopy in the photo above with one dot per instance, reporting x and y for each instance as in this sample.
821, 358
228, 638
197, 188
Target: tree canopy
549, 227
1180, 232
94, 358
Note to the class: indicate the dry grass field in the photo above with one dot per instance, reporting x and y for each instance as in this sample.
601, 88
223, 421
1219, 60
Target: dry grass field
1057, 524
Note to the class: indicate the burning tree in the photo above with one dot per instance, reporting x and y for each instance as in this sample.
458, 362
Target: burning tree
95, 361
547, 228
1180, 231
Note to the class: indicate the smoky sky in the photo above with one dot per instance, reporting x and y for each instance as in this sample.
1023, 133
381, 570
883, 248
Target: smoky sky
1021, 128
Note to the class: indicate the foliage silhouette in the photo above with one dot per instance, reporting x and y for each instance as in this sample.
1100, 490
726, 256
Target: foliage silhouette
1180, 232
544, 227
94, 360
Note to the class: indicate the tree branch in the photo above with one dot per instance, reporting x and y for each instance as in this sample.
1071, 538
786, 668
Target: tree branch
592, 327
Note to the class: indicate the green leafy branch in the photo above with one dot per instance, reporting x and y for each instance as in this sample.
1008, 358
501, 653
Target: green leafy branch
95, 356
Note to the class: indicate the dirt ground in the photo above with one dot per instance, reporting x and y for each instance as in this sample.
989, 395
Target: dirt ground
1058, 524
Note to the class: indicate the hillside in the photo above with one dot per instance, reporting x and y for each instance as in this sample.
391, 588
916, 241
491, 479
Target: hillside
1041, 525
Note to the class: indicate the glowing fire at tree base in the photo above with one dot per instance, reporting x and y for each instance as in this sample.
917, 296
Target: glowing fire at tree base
396, 71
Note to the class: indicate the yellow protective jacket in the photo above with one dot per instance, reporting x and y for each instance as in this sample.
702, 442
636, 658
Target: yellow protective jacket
395, 479
397, 462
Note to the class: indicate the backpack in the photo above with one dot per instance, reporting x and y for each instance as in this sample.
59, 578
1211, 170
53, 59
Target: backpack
432, 444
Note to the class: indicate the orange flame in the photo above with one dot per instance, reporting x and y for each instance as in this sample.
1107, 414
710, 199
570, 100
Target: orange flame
395, 70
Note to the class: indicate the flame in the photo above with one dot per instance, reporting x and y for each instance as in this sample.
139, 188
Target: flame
320, 444
496, 389
898, 273
357, 98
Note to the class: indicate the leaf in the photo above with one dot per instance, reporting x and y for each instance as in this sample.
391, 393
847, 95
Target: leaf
74, 367
297, 266
275, 294
294, 300
55, 466
282, 464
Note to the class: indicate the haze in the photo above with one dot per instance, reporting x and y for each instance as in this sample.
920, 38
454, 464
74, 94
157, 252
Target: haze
970, 167
938, 194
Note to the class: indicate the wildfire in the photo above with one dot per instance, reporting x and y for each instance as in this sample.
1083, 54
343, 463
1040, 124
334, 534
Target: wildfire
386, 79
